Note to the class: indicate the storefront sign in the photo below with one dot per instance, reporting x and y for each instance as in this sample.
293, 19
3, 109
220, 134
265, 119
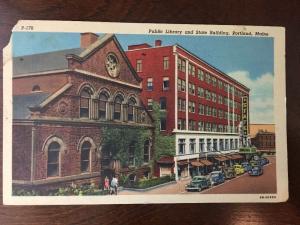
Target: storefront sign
245, 115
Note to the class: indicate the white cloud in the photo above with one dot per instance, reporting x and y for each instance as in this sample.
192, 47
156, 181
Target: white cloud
261, 95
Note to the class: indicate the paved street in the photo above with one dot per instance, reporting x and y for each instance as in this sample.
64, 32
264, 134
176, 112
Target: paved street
241, 184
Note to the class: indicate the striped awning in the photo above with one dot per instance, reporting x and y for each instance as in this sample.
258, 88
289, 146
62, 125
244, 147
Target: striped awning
197, 164
206, 162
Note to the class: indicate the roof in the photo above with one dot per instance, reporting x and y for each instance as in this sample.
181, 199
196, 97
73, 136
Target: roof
43, 62
21, 104
166, 160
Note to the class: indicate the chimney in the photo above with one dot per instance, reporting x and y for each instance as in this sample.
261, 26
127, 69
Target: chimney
157, 43
86, 39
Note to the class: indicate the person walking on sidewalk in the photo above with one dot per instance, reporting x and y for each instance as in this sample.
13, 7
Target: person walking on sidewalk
114, 185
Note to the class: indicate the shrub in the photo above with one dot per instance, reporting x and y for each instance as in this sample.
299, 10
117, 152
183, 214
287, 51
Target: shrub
154, 181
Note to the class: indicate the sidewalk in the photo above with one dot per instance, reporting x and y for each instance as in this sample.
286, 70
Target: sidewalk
175, 188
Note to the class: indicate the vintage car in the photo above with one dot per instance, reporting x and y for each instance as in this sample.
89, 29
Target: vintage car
246, 165
217, 177
229, 172
264, 161
239, 169
198, 183
255, 163
256, 171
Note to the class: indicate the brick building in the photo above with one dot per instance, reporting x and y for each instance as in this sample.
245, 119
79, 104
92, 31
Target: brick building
203, 105
62, 101
263, 137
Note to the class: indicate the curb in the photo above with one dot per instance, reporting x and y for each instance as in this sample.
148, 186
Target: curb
148, 189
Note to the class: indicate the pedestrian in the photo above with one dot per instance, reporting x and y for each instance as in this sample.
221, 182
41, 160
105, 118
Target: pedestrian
114, 185
106, 183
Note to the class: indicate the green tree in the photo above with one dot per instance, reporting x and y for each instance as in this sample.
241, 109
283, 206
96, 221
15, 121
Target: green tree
119, 139
164, 145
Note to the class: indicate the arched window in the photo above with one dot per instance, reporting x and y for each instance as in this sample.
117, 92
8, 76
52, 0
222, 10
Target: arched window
85, 99
131, 104
53, 159
103, 98
36, 88
117, 107
146, 151
85, 156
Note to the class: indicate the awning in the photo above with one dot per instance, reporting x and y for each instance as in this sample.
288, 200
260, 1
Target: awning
166, 160
221, 158
182, 162
236, 156
206, 162
197, 164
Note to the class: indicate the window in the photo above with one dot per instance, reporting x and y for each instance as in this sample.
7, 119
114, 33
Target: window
146, 151
192, 89
214, 127
215, 144
201, 145
192, 70
131, 104
192, 107
200, 92
220, 114
220, 99
181, 124
181, 85
200, 75
150, 84
220, 128
53, 159
181, 146
226, 101
226, 144
139, 65
181, 104
150, 104
208, 142
201, 109
214, 97
208, 110
221, 144
192, 146
207, 95
214, 81
207, 78
166, 83
181, 64
214, 112
131, 151
118, 107
163, 124
166, 62
103, 98
85, 156
192, 125
225, 87
163, 103
201, 126
220, 84
208, 126
36, 88
85, 101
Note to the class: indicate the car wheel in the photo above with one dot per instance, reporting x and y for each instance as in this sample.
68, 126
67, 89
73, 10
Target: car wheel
199, 189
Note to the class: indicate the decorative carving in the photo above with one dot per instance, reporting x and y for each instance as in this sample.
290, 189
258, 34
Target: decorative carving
112, 65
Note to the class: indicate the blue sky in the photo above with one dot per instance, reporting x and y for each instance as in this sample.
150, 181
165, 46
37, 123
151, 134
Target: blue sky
250, 60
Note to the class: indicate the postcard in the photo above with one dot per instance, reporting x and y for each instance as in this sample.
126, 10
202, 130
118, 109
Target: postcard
124, 113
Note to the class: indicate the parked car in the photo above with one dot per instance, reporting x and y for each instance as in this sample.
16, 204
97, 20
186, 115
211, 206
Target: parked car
229, 172
198, 183
256, 171
264, 161
239, 169
217, 177
255, 163
247, 166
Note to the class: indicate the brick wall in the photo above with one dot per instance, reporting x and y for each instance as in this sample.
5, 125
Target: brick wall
21, 154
